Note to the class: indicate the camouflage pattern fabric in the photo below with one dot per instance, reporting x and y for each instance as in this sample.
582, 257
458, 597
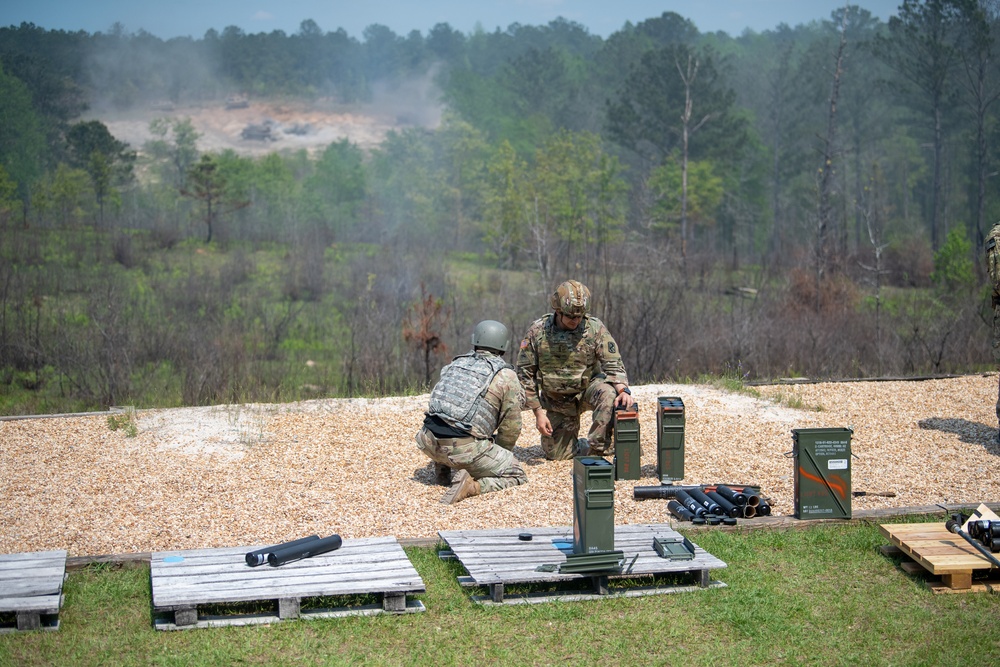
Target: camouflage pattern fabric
996, 345
488, 461
993, 269
564, 415
490, 464
568, 373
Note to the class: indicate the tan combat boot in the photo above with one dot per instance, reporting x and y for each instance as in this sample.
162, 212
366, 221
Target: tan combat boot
463, 487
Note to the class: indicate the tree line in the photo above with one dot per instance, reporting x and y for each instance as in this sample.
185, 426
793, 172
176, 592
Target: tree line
806, 200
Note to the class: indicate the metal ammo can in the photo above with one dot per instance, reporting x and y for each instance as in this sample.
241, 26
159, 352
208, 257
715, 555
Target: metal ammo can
627, 447
822, 459
669, 439
593, 505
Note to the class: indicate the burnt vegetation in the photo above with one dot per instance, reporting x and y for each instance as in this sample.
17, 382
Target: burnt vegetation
806, 201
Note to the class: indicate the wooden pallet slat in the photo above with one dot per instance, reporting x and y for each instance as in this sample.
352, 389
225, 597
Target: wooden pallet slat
939, 552
31, 587
184, 583
497, 559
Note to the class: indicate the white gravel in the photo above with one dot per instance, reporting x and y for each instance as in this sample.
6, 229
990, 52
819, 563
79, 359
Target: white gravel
251, 474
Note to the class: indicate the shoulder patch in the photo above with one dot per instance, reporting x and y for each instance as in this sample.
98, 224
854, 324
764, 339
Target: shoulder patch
524, 343
611, 347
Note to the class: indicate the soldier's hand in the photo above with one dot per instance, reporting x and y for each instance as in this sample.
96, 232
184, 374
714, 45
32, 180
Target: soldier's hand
625, 400
542, 422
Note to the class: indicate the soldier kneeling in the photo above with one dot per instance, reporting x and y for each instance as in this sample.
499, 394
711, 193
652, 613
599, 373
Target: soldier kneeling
474, 418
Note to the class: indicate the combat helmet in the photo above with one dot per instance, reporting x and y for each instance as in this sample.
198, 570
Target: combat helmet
492, 335
571, 298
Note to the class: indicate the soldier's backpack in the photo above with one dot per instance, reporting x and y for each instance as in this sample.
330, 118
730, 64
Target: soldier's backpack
992, 244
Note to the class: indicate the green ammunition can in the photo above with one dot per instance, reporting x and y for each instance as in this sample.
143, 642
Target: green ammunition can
822, 476
669, 439
627, 446
593, 505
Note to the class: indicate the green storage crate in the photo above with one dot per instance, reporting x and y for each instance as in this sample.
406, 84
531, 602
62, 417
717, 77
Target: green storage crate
627, 445
669, 439
593, 505
822, 476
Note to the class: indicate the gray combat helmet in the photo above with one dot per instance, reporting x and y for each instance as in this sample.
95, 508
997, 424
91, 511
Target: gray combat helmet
492, 335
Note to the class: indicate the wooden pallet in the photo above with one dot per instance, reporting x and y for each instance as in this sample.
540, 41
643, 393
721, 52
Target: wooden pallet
31, 589
939, 552
498, 558
184, 581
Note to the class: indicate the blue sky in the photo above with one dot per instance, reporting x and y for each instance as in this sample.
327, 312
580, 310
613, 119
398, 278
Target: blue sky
174, 18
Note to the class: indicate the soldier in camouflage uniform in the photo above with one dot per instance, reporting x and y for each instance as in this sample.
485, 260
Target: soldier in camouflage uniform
992, 245
477, 395
569, 363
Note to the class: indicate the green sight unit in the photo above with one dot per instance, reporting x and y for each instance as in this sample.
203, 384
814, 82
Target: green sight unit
669, 439
593, 505
822, 476
627, 446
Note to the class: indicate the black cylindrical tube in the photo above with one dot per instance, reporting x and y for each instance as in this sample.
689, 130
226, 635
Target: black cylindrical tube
259, 557
679, 511
687, 501
763, 509
662, 491
995, 545
734, 497
702, 499
311, 548
651, 492
728, 508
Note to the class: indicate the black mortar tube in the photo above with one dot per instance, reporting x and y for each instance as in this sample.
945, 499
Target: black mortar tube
702, 499
663, 491
679, 511
311, 548
728, 508
259, 557
687, 501
735, 497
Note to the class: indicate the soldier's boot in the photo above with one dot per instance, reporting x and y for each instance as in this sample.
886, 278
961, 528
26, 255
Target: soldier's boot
590, 450
464, 486
582, 447
442, 474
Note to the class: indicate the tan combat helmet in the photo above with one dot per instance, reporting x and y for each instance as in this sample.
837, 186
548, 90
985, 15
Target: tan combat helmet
572, 298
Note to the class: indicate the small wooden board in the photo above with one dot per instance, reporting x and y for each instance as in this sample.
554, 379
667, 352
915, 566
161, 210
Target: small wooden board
939, 552
31, 587
496, 558
183, 581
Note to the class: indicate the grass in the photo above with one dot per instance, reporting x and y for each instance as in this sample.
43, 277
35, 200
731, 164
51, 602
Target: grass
823, 595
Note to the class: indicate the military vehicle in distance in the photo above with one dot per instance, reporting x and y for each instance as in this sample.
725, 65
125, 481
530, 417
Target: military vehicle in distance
237, 102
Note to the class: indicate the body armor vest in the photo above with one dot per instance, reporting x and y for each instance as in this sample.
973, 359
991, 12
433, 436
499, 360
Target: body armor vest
459, 397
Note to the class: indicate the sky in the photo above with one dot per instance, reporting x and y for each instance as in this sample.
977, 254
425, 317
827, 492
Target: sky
192, 18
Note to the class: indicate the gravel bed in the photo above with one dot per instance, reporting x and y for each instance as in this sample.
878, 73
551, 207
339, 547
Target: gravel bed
243, 475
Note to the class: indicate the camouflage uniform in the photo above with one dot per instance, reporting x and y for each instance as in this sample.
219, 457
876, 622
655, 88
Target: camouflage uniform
486, 457
568, 373
993, 269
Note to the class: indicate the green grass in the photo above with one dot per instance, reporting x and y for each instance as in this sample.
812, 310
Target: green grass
822, 595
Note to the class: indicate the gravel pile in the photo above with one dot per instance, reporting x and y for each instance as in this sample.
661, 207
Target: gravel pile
243, 475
